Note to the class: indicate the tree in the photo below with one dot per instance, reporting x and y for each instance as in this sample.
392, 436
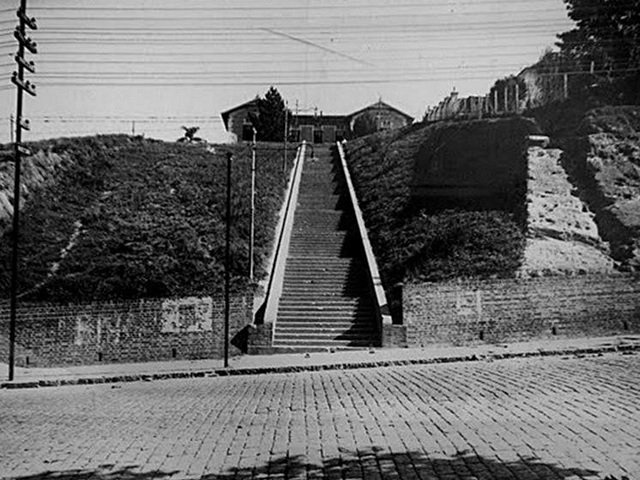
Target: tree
189, 135
607, 34
364, 124
269, 122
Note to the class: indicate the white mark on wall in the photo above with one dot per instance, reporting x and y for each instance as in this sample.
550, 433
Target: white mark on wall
190, 314
85, 330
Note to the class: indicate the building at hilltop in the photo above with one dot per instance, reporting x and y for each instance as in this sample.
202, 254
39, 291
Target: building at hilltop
237, 120
317, 127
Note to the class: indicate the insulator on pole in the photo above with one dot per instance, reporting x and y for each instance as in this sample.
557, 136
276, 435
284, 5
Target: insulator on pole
25, 124
27, 86
25, 41
29, 22
24, 150
28, 65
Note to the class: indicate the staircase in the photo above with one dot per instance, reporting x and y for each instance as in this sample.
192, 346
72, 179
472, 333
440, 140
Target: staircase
325, 297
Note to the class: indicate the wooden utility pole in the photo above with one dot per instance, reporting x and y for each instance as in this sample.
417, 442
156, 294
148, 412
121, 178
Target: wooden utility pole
18, 80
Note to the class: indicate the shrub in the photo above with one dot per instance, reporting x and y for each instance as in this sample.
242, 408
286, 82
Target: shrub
152, 220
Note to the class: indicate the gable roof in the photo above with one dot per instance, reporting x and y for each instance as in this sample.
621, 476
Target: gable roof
380, 104
225, 115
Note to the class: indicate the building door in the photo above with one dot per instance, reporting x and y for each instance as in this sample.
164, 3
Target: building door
306, 133
317, 135
247, 132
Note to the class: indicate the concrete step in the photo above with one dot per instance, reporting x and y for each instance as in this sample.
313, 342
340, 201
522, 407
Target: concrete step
306, 338
323, 344
293, 302
306, 324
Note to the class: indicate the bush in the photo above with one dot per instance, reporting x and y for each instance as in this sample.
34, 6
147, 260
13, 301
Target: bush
149, 218
412, 243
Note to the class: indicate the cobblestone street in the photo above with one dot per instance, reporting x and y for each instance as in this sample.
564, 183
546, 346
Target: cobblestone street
544, 418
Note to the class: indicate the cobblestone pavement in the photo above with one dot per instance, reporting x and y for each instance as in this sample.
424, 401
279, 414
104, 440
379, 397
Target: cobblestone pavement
555, 418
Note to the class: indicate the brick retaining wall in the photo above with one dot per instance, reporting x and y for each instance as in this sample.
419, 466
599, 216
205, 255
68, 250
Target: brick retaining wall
123, 331
518, 309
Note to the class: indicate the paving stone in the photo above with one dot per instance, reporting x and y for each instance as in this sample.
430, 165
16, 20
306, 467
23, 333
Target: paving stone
518, 419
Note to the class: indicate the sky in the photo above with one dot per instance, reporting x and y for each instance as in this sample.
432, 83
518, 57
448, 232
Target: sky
152, 66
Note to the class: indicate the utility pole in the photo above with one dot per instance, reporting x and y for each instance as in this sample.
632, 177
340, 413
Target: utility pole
133, 128
227, 264
18, 80
253, 203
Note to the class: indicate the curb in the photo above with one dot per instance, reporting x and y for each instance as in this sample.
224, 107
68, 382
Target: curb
220, 372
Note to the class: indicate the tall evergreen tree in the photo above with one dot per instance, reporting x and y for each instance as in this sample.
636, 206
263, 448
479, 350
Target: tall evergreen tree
270, 119
607, 36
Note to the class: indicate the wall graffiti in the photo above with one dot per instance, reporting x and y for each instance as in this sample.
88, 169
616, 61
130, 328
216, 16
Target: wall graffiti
190, 314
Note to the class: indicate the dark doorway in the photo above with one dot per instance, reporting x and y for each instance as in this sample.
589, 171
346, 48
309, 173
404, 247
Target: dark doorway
247, 132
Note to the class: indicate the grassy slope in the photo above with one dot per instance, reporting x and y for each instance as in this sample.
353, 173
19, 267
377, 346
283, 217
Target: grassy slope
411, 244
152, 220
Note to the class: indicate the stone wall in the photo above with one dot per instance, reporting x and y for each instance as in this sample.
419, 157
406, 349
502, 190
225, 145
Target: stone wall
123, 331
496, 311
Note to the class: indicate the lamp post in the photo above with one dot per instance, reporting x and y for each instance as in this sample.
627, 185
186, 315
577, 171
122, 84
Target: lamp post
227, 264
253, 203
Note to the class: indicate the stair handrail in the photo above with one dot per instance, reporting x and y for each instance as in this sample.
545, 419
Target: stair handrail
276, 277
381, 306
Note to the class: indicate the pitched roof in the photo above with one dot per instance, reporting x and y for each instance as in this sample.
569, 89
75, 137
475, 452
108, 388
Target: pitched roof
225, 115
380, 104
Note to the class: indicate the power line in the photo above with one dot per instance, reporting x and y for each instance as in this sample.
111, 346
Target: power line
213, 73
240, 62
312, 82
277, 8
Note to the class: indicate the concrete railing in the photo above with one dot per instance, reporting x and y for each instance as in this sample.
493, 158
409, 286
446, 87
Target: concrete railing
381, 307
276, 278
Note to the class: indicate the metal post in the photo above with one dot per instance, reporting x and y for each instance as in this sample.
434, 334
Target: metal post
286, 135
20, 123
506, 98
227, 264
253, 204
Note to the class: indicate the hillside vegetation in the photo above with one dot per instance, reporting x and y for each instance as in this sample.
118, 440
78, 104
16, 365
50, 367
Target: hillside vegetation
413, 243
133, 218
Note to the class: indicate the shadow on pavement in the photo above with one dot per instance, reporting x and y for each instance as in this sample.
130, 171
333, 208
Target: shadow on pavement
364, 464
104, 472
